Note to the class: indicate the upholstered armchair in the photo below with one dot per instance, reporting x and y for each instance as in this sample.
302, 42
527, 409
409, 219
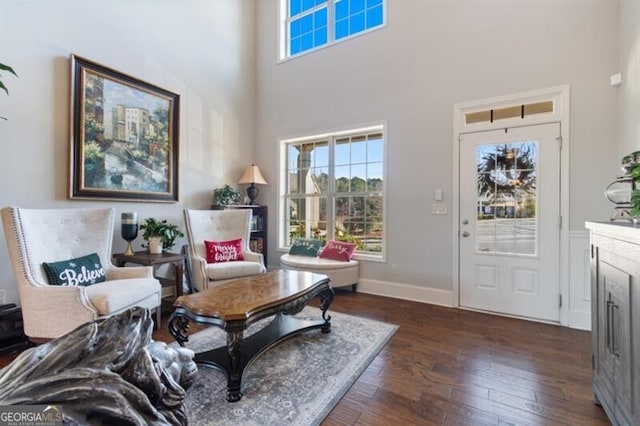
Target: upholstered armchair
38, 236
220, 226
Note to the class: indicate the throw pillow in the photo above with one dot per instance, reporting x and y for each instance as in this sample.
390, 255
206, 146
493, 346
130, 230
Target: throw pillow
305, 247
81, 271
338, 250
224, 251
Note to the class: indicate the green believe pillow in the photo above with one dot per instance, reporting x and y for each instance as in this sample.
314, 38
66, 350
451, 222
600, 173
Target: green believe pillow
305, 247
81, 271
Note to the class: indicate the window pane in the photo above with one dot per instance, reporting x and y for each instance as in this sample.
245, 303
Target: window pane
321, 155
359, 150
341, 9
320, 179
320, 18
307, 4
294, 46
294, 28
374, 177
306, 23
356, 6
343, 179
341, 152
341, 28
507, 198
292, 157
358, 176
374, 149
374, 17
319, 2
371, 3
306, 42
307, 218
320, 37
356, 23
294, 7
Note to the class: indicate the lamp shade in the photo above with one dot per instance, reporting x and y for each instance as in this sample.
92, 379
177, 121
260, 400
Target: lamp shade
252, 175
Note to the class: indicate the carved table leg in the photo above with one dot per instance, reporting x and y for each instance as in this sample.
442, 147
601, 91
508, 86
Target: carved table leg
326, 297
178, 327
234, 381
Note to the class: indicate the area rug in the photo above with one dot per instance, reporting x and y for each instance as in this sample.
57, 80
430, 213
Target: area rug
298, 382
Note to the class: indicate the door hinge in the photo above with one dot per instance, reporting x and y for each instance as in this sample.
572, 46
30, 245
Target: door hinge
593, 362
560, 300
559, 221
559, 139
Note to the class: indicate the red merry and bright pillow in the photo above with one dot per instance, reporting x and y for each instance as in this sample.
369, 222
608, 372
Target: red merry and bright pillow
337, 250
224, 251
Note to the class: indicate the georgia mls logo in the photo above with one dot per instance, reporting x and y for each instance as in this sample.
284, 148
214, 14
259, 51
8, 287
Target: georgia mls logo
33, 415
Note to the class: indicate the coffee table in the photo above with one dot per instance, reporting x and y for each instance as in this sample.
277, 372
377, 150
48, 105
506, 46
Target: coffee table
235, 305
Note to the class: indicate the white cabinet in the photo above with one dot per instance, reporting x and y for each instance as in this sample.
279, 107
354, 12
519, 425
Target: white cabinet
615, 295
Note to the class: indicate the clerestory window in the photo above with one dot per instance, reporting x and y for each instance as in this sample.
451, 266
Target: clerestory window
309, 24
334, 189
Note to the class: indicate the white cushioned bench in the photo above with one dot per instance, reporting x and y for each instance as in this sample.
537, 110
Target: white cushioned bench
342, 274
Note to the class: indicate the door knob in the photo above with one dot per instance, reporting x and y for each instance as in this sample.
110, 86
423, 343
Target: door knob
465, 234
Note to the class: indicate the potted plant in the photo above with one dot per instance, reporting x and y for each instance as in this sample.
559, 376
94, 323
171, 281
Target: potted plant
226, 195
159, 235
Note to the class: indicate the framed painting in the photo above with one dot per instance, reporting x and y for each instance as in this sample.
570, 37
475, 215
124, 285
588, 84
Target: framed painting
124, 136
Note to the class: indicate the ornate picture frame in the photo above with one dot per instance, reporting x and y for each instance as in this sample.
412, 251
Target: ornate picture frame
124, 136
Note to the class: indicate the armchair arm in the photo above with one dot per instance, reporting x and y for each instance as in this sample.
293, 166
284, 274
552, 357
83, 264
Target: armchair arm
254, 257
121, 273
54, 310
199, 270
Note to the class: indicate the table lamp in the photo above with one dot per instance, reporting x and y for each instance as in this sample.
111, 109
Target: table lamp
253, 176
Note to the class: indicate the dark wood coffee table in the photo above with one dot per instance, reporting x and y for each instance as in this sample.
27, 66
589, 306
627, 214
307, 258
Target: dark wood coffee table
235, 305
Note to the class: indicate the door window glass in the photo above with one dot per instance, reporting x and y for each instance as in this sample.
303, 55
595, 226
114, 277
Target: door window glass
507, 198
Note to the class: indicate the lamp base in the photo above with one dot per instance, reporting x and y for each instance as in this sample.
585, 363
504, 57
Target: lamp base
252, 193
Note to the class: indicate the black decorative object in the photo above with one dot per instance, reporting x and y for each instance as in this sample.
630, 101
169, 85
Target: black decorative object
129, 230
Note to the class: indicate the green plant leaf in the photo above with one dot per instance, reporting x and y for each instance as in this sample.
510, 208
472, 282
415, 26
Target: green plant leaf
7, 68
3, 87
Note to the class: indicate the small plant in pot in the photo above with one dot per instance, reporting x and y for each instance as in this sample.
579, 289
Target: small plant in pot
159, 235
225, 196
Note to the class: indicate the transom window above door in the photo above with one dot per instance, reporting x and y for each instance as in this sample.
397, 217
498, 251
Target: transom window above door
310, 24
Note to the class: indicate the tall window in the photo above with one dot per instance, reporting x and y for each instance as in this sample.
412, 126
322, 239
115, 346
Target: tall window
334, 189
313, 23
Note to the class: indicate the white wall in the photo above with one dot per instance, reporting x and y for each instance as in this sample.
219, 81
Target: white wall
432, 55
629, 104
204, 50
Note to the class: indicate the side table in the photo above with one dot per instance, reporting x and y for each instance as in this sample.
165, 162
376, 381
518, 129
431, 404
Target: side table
147, 259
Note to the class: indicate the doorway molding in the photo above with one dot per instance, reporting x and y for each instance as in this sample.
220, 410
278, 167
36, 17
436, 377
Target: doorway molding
560, 96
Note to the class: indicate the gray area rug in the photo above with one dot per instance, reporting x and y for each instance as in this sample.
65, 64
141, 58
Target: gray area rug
298, 382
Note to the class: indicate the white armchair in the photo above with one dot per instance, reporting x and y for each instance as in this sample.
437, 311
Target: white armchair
220, 225
35, 236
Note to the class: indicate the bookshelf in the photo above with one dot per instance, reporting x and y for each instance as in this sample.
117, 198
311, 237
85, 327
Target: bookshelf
258, 238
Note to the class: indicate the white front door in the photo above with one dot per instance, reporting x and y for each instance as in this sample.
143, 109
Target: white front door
510, 221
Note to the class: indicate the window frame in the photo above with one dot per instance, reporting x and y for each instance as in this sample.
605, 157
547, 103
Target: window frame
330, 195
283, 25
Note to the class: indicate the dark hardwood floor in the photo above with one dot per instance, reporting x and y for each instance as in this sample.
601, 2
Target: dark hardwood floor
453, 367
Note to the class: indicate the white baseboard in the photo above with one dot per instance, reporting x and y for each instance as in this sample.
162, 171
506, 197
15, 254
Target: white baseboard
414, 293
580, 320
